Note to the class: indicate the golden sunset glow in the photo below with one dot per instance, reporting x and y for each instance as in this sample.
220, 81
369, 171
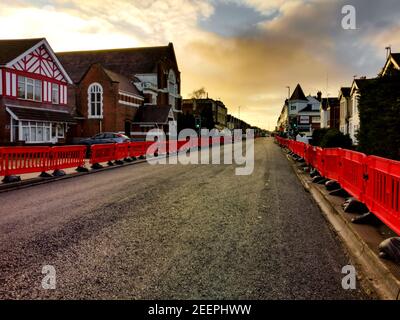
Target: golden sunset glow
243, 52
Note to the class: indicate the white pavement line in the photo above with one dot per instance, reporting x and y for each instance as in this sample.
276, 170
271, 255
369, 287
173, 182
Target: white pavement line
375, 272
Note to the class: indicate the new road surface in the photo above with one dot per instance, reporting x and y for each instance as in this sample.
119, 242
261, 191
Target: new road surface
171, 232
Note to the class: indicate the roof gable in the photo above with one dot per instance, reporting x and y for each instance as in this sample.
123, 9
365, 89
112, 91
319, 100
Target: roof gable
38, 58
392, 62
127, 62
12, 48
298, 94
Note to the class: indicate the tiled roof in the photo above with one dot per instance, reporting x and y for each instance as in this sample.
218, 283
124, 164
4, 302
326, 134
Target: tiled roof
298, 94
396, 57
124, 83
345, 91
152, 114
11, 49
41, 115
329, 102
128, 62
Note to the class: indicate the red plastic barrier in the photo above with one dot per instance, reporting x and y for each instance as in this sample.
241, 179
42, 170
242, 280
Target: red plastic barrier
20, 160
332, 163
63, 157
353, 172
310, 155
102, 153
137, 149
121, 151
319, 161
383, 190
181, 145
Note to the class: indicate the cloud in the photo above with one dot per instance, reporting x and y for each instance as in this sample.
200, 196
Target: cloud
278, 42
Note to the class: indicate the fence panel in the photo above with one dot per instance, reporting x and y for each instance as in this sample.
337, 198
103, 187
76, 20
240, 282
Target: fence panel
63, 157
121, 151
332, 163
353, 173
20, 160
136, 149
319, 161
102, 153
383, 190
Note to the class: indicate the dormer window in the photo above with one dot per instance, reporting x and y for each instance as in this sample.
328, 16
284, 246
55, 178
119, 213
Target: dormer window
95, 101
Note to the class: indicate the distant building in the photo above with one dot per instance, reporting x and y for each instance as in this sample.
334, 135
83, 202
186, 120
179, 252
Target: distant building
207, 106
130, 90
345, 109
354, 119
330, 113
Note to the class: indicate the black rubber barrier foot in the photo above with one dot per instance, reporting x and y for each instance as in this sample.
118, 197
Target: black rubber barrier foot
314, 173
110, 163
119, 162
390, 249
368, 218
128, 160
11, 179
332, 185
142, 157
317, 179
156, 154
352, 205
133, 158
339, 193
322, 181
59, 173
82, 169
97, 166
44, 174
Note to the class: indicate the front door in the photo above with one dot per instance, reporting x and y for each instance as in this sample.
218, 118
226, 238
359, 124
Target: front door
128, 128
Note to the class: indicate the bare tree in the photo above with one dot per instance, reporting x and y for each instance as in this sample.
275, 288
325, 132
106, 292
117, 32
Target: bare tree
199, 93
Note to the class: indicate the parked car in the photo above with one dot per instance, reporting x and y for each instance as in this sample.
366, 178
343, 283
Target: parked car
103, 138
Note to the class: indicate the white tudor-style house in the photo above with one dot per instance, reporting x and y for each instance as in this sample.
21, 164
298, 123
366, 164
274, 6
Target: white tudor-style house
34, 106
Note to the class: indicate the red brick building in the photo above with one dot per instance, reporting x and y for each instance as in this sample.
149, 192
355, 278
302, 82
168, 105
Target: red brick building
138, 89
36, 94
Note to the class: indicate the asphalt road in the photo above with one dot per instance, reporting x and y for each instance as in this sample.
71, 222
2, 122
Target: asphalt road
172, 231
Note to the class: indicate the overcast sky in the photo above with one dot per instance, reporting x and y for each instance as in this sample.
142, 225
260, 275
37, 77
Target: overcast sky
244, 52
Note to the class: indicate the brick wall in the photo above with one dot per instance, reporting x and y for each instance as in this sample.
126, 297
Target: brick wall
114, 113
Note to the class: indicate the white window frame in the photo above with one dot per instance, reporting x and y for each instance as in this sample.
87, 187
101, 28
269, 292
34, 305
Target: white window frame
55, 98
93, 86
33, 125
34, 83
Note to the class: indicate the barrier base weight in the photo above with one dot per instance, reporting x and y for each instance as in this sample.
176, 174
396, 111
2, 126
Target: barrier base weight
11, 179
97, 166
59, 173
44, 174
390, 249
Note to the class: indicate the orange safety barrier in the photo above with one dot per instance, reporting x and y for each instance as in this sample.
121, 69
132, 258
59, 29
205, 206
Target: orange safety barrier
137, 149
319, 161
20, 160
121, 151
63, 157
332, 163
383, 190
353, 173
102, 153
